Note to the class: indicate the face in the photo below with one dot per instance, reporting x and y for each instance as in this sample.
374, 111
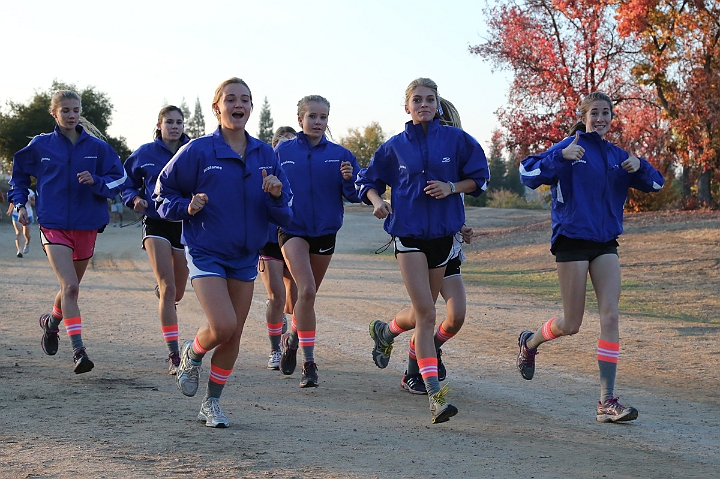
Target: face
234, 106
598, 117
67, 114
315, 119
422, 105
172, 126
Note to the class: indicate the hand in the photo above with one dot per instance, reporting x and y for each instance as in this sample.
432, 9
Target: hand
382, 209
632, 164
139, 204
271, 184
197, 203
438, 189
10, 209
467, 234
85, 178
573, 151
346, 169
23, 217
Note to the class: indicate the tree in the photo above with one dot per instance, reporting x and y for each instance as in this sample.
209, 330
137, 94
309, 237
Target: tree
363, 144
504, 174
266, 130
559, 51
184, 108
679, 57
195, 127
23, 121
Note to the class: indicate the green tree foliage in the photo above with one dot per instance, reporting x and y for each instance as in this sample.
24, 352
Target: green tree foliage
195, 127
185, 108
22, 121
364, 143
266, 130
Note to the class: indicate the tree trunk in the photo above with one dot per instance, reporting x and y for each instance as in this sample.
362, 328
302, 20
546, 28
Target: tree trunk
704, 192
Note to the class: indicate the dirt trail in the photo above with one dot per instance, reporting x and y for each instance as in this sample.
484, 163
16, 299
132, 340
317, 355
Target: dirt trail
127, 419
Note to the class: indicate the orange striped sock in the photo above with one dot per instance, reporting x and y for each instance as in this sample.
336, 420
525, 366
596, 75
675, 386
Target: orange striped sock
307, 344
197, 352
428, 369
170, 334
547, 330
217, 380
73, 326
57, 312
412, 367
442, 336
608, 354
395, 329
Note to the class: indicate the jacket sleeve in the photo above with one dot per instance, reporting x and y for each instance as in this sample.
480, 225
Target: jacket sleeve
24, 162
647, 178
279, 210
375, 176
349, 191
542, 169
174, 187
475, 165
134, 181
110, 175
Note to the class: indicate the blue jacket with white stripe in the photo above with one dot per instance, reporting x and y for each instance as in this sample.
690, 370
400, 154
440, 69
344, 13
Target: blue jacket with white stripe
407, 161
61, 201
589, 194
234, 222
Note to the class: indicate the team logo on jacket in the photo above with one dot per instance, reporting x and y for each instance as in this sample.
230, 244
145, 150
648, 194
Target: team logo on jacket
44, 159
147, 164
290, 162
578, 161
446, 159
332, 161
212, 167
91, 157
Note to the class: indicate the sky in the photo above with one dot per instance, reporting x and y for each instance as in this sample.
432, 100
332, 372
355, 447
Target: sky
359, 55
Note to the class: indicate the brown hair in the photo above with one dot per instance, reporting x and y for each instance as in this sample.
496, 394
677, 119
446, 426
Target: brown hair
162, 114
302, 104
584, 107
280, 133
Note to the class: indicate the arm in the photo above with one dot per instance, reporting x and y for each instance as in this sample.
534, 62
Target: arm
542, 169
132, 186
174, 188
349, 168
111, 176
647, 178
279, 198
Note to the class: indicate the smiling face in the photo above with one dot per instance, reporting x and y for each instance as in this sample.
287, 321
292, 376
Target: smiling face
598, 117
171, 126
233, 106
67, 114
314, 120
421, 105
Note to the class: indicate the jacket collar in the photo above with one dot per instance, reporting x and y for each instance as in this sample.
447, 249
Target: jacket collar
223, 150
303, 140
416, 131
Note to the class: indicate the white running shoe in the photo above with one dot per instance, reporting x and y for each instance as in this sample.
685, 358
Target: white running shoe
274, 360
187, 373
211, 413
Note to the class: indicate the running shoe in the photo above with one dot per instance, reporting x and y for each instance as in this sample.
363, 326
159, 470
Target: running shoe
211, 413
274, 359
413, 383
442, 372
173, 361
187, 375
50, 340
284, 327
288, 359
26, 249
157, 291
382, 349
439, 407
309, 375
526, 356
612, 411
82, 361
19, 254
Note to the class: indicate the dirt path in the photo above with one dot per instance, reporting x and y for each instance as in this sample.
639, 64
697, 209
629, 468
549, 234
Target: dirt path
127, 419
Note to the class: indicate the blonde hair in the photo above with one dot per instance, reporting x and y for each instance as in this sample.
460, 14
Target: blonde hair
448, 114
218, 93
61, 95
303, 103
426, 82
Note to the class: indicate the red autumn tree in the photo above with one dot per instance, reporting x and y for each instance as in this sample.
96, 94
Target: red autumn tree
679, 58
558, 52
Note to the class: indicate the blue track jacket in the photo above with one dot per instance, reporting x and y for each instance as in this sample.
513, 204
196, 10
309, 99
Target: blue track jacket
61, 201
588, 195
234, 222
143, 168
407, 161
318, 185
